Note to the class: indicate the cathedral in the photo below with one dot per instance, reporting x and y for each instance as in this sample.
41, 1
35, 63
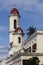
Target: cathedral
20, 50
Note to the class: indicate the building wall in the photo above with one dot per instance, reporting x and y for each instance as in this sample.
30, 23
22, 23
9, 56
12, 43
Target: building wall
10, 52
11, 27
15, 39
40, 43
16, 45
17, 63
38, 39
12, 18
10, 37
3, 62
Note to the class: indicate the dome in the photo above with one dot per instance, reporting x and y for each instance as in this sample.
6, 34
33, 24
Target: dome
14, 11
18, 29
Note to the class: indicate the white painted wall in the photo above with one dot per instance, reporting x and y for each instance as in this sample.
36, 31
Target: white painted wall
12, 18
11, 29
16, 45
3, 62
15, 39
40, 43
10, 52
10, 37
38, 39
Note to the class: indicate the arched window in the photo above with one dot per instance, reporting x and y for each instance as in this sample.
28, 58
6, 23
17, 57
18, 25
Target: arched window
19, 40
15, 23
34, 47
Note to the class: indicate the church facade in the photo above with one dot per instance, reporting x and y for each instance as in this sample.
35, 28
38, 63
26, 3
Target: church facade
20, 50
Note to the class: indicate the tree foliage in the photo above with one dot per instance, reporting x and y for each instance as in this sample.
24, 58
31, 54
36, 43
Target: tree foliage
30, 30
32, 61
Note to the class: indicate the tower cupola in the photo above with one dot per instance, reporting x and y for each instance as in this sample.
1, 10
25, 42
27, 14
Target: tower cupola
14, 19
14, 11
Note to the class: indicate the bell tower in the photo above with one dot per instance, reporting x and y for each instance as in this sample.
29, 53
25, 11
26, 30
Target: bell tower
14, 21
16, 33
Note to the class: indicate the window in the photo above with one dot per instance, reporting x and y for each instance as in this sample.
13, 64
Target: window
19, 39
15, 23
29, 49
34, 48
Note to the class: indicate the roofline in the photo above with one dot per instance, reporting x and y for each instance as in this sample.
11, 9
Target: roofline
34, 34
18, 55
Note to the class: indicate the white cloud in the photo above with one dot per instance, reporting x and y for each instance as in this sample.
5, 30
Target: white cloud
3, 28
3, 57
3, 46
3, 51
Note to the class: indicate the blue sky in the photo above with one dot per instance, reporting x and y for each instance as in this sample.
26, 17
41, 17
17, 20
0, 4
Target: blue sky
31, 12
